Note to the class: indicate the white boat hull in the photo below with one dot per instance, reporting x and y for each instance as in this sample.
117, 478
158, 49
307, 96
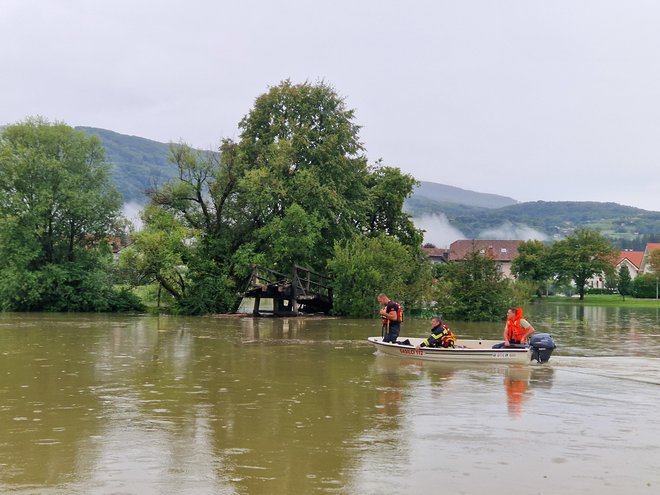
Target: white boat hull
467, 351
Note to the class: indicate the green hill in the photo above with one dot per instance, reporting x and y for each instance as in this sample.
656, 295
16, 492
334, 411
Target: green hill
137, 163
445, 194
555, 219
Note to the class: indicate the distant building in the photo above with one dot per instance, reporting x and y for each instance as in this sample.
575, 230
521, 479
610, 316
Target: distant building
632, 260
436, 255
501, 251
636, 262
645, 266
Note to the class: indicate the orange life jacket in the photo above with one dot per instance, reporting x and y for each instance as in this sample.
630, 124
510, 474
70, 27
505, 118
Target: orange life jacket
513, 329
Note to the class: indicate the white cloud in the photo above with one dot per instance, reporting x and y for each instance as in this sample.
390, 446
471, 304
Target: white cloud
132, 211
438, 230
509, 231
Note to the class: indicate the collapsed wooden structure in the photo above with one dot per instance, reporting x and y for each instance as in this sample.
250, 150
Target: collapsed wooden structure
303, 291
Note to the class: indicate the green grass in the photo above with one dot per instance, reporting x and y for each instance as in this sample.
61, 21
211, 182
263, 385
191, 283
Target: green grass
604, 300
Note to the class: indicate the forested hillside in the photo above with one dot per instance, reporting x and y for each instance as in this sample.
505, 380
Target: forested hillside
137, 163
562, 217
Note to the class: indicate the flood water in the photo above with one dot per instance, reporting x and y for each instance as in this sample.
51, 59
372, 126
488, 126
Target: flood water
99, 404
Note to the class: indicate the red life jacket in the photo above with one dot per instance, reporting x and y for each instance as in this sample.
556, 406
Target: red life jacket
447, 338
513, 329
399, 314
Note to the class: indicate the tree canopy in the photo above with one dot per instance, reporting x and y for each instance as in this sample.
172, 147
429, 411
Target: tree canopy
654, 261
294, 184
58, 210
472, 289
532, 263
580, 256
624, 281
365, 266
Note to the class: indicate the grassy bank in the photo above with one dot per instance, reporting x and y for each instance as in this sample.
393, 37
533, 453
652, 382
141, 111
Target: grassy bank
604, 300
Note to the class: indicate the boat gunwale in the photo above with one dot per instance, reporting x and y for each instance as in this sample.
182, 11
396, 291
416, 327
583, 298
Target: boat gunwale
451, 349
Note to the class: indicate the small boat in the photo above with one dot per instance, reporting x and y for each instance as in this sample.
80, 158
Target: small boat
470, 351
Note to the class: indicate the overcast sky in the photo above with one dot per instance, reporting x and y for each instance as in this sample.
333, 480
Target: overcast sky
537, 100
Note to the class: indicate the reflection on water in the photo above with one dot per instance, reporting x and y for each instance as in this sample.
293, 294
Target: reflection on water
100, 404
516, 384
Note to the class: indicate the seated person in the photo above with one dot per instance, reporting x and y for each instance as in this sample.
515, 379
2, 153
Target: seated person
441, 335
517, 329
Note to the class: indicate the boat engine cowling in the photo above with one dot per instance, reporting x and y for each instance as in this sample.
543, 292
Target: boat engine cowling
542, 346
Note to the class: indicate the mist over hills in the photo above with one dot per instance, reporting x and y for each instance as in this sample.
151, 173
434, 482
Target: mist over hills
446, 212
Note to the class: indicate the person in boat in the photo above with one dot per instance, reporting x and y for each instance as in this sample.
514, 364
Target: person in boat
441, 335
392, 315
517, 329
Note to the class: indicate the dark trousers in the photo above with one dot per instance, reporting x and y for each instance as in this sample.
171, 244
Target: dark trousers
391, 333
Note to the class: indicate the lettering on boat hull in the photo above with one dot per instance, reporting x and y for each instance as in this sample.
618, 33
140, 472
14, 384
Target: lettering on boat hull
415, 352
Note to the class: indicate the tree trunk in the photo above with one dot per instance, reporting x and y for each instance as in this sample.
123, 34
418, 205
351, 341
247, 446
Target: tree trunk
169, 288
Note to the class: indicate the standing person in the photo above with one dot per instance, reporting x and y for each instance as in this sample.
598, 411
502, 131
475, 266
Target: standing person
441, 335
517, 329
392, 314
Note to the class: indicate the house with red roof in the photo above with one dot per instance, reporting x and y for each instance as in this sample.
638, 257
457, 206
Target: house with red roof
645, 266
501, 251
630, 259
636, 261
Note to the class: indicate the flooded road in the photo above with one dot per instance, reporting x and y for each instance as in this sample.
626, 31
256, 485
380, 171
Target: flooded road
98, 404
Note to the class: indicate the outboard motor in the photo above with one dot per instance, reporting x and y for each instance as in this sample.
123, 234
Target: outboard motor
542, 346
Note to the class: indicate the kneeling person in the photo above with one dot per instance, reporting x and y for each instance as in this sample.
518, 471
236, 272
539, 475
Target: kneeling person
441, 335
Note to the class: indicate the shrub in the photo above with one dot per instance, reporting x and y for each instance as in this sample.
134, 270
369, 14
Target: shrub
645, 286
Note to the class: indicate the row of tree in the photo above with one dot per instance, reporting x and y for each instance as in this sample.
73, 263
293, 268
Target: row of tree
582, 255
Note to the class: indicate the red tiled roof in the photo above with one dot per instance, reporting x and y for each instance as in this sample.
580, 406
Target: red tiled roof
635, 257
497, 249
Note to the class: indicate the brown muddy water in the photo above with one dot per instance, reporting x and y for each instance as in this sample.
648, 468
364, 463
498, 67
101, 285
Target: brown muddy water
98, 404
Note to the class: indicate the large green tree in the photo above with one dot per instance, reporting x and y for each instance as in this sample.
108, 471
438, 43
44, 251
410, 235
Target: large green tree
580, 256
365, 266
294, 184
532, 264
58, 209
472, 289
